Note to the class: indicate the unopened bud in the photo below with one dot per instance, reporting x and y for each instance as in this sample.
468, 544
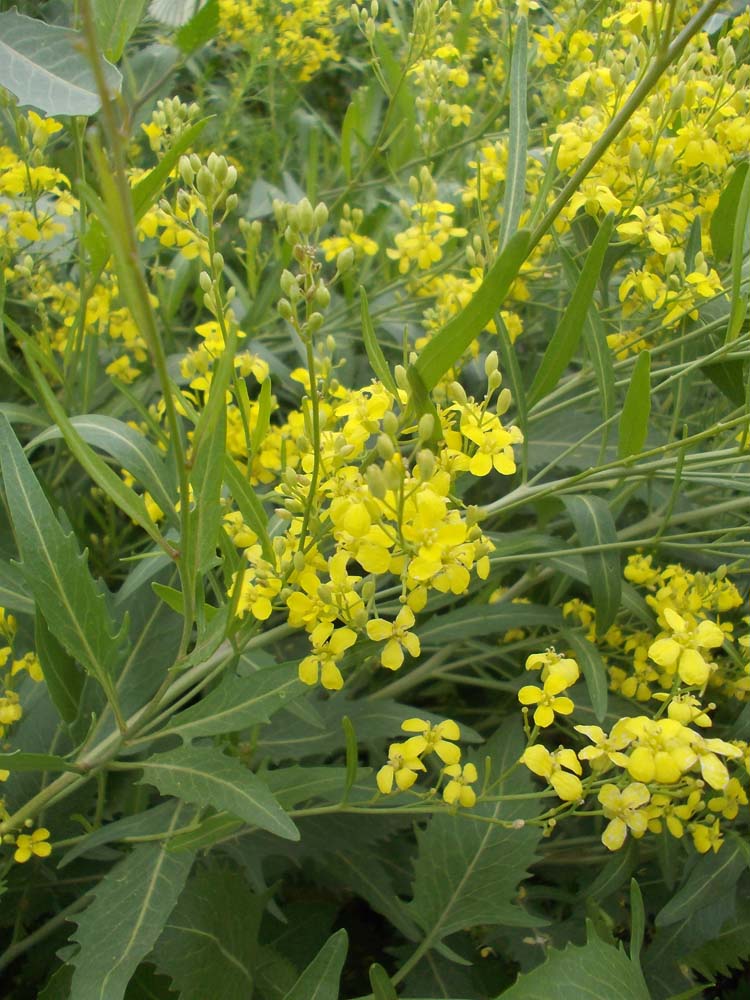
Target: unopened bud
491, 363
376, 481
322, 296
503, 402
306, 216
457, 393
390, 423
320, 215
186, 171
425, 427
345, 260
204, 280
285, 309
385, 447
426, 464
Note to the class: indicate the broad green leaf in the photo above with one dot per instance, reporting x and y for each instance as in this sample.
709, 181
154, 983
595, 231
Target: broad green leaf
144, 824
447, 346
518, 138
58, 985
208, 945
201, 28
724, 217
738, 302
730, 377
320, 980
637, 409
486, 619
593, 668
14, 595
250, 506
206, 478
374, 351
129, 448
20, 761
564, 341
45, 66
596, 970
712, 876
207, 777
468, 873
54, 570
599, 352
594, 526
131, 905
238, 703
115, 22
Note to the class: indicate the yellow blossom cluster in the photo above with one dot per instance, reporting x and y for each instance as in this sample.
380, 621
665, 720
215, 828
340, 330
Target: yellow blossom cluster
406, 760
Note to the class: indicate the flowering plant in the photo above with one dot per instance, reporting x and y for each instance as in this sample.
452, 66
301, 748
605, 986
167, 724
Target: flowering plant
374, 456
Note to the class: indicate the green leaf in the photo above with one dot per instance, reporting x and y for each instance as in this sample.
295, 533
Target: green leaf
729, 377
467, 873
63, 678
115, 22
564, 341
636, 409
131, 905
596, 970
447, 346
728, 951
593, 667
126, 499
486, 619
594, 526
20, 761
14, 595
208, 945
711, 877
143, 824
207, 777
293, 785
352, 755
724, 217
738, 302
45, 66
263, 419
320, 980
382, 987
206, 478
374, 351
201, 28
206, 833
55, 571
518, 137
126, 446
238, 703
250, 506
637, 922
614, 873
599, 352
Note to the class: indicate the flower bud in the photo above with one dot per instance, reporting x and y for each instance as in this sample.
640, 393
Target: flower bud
345, 260
285, 309
204, 280
376, 481
186, 171
491, 363
322, 296
425, 427
385, 447
320, 215
306, 216
503, 402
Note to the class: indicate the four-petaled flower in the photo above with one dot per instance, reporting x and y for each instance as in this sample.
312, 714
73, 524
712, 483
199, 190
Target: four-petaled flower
403, 764
435, 738
556, 768
458, 789
398, 637
546, 698
329, 645
624, 810
29, 844
680, 651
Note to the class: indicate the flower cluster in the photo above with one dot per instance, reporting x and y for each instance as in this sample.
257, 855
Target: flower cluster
406, 760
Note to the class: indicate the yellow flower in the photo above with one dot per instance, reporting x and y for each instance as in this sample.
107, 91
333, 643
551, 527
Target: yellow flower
546, 699
32, 844
606, 749
457, 790
680, 651
329, 645
30, 663
707, 838
728, 803
398, 636
625, 812
403, 764
435, 738
548, 765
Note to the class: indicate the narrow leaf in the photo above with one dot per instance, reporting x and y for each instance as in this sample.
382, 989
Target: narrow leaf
55, 571
636, 409
45, 66
594, 526
14, 594
594, 670
724, 217
483, 619
263, 419
637, 922
131, 905
375, 354
144, 824
738, 305
238, 703
206, 833
564, 341
515, 178
382, 987
449, 344
207, 777
20, 761
320, 980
